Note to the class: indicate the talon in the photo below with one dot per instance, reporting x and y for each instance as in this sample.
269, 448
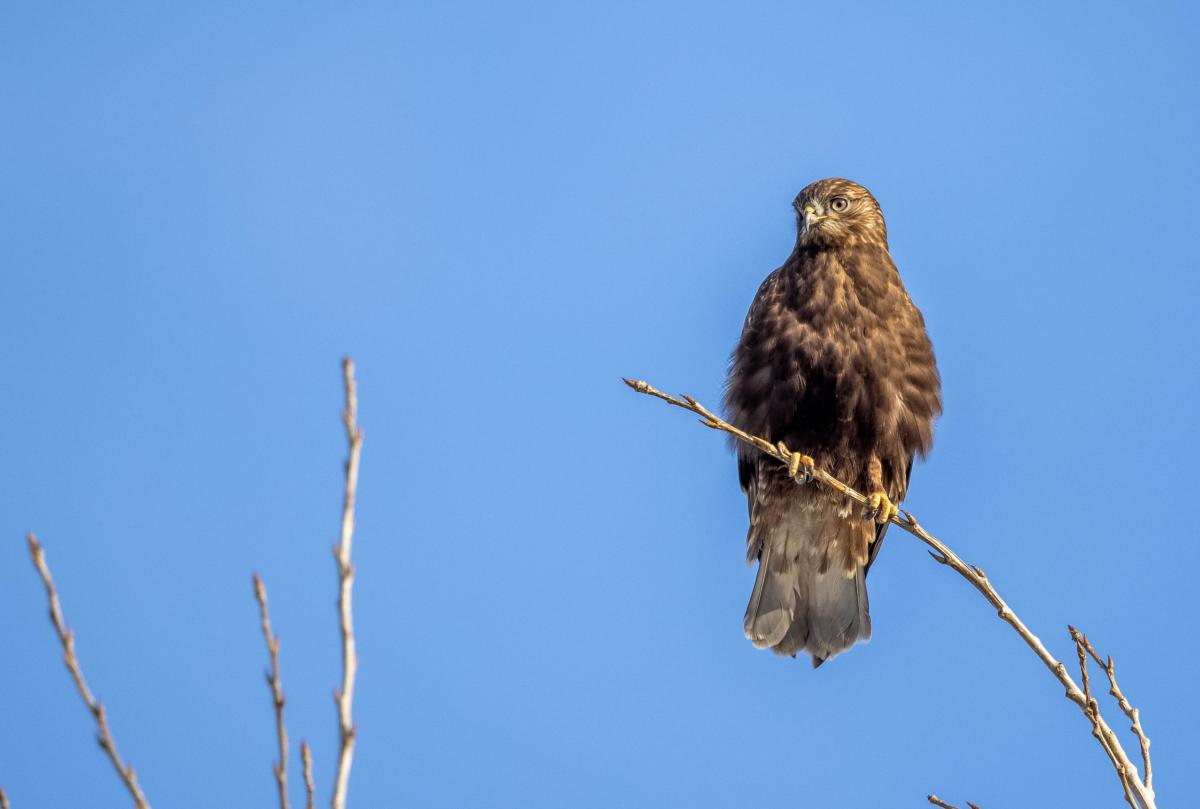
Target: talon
801, 467
880, 508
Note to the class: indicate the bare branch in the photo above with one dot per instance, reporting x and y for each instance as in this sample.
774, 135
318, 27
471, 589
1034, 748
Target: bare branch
936, 801
1126, 770
306, 759
345, 695
67, 638
276, 686
1093, 714
1130, 711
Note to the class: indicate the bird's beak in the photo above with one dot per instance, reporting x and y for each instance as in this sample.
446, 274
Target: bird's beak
811, 215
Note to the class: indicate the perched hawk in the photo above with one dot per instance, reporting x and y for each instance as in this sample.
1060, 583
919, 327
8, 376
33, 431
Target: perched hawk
833, 361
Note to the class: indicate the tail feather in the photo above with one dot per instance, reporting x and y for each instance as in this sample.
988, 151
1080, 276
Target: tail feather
772, 605
810, 591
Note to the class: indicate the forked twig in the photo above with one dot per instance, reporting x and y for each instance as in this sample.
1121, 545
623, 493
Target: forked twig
344, 697
1108, 740
1139, 790
67, 638
276, 685
1133, 713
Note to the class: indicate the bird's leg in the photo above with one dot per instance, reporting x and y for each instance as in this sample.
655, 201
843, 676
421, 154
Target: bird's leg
801, 467
879, 507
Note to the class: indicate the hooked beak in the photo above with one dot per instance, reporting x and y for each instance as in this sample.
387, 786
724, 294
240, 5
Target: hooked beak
810, 215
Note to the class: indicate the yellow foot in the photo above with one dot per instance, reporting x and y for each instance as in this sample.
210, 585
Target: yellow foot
879, 508
801, 468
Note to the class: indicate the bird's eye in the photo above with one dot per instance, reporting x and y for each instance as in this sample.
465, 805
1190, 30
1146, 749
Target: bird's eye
839, 204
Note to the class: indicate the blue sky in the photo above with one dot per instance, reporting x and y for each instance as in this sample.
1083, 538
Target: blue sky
499, 211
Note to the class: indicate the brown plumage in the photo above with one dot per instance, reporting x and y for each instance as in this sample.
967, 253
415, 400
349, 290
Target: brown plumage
834, 361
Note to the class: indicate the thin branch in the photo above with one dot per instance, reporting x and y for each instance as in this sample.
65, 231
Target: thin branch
936, 801
1130, 711
1093, 714
1126, 770
306, 759
67, 638
345, 695
276, 686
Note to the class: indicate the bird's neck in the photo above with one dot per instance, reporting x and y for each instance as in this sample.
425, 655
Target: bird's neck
866, 266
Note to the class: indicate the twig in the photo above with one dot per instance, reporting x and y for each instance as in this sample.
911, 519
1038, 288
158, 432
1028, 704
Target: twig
1126, 771
306, 759
1130, 711
276, 686
1093, 713
67, 638
936, 801
345, 695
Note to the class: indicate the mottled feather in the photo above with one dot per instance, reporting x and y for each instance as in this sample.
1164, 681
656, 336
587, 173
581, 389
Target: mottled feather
834, 361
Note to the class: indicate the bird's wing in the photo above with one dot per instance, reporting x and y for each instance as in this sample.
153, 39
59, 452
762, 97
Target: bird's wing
899, 494
753, 473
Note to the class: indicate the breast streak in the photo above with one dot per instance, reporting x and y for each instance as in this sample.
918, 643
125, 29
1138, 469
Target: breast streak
848, 405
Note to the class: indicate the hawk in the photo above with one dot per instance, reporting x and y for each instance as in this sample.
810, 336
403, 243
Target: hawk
835, 363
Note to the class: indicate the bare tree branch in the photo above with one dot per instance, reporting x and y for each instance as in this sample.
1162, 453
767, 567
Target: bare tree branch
936, 801
276, 686
1107, 739
1093, 714
67, 638
1141, 791
1130, 711
345, 695
306, 759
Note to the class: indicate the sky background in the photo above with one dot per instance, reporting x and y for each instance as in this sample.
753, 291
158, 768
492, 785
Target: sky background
499, 211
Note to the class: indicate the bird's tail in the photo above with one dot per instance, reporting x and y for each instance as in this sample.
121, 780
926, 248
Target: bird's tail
810, 593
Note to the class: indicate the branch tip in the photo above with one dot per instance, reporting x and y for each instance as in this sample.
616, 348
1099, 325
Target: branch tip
275, 686
344, 696
306, 761
67, 639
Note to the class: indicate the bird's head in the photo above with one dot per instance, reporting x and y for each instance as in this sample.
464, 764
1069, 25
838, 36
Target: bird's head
838, 212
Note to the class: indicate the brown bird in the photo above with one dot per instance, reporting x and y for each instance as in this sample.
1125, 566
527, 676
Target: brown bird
833, 361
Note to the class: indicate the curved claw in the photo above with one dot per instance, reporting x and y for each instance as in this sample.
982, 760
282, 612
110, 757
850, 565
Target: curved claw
801, 467
880, 508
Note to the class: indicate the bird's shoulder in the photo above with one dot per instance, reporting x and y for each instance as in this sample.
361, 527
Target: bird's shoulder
797, 294
765, 299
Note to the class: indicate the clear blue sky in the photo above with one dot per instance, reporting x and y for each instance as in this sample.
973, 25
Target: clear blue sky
499, 211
